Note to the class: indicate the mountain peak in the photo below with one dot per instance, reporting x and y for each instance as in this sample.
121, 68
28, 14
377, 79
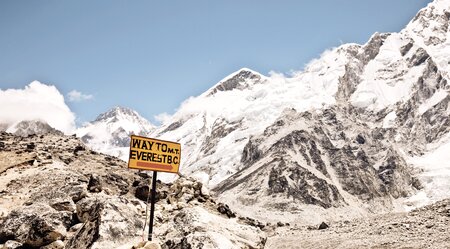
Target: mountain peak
112, 129
241, 79
117, 111
31, 127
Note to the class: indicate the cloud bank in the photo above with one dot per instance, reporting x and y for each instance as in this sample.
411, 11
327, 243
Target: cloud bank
36, 101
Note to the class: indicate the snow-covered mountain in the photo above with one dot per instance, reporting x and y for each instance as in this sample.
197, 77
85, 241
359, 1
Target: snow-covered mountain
344, 134
32, 127
110, 131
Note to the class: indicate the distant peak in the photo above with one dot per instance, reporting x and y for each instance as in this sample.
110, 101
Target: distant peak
116, 111
244, 69
243, 72
30, 127
240, 79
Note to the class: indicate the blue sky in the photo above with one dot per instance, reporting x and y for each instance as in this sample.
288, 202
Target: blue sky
152, 55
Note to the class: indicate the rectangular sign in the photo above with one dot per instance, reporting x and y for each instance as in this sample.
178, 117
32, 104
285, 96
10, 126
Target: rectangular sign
153, 154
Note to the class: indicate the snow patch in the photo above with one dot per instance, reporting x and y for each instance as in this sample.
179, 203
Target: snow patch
387, 79
435, 175
389, 120
437, 97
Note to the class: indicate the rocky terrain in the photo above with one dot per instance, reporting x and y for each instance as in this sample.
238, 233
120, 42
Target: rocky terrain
329, 157
55, 193
426, 227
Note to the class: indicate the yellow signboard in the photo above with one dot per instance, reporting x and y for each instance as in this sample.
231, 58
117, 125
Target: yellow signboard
153, 154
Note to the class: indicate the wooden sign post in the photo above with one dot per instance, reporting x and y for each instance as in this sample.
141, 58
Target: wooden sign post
156, 155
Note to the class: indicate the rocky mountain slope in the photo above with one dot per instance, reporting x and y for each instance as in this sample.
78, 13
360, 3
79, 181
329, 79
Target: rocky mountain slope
30, 127
341, 135
56, 193
110, 132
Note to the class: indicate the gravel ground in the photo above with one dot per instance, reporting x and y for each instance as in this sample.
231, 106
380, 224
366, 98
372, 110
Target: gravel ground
427, 227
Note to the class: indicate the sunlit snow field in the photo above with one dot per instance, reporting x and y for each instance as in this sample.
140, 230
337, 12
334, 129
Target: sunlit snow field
434, 175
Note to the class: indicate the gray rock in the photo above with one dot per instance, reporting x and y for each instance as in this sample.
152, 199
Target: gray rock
322, 226
35, 225
58, 244
95, 183
11, 244
90, 212
224, 209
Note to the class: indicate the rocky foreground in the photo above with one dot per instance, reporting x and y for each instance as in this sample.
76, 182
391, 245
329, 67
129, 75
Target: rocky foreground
55, 193
427, 227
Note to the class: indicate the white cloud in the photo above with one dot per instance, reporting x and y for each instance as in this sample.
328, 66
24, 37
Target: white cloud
76, 96
162, 117
36, 101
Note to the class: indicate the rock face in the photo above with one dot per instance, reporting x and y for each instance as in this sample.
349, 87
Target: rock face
55, 193
325, 158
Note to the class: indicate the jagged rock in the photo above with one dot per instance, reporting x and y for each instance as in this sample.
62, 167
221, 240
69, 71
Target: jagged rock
95, 183
11, 244
78, 148
224, 209
253, 222
142, 193
31, 146
75, 227
204, 191
63, 205
88, 209
181, 244
89, 232
35, 225
360, 139
322, 226
58, 244
250, 153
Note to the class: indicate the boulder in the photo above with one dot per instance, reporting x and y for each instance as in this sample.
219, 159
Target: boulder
58, 244
11, 244
95, 184
35, 225
224, 209
323, 225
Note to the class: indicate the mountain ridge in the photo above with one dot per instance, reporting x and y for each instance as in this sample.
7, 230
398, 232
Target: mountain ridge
110, 131
390, 89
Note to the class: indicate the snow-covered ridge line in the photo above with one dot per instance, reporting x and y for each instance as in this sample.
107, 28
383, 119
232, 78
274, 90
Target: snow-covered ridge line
110, 131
